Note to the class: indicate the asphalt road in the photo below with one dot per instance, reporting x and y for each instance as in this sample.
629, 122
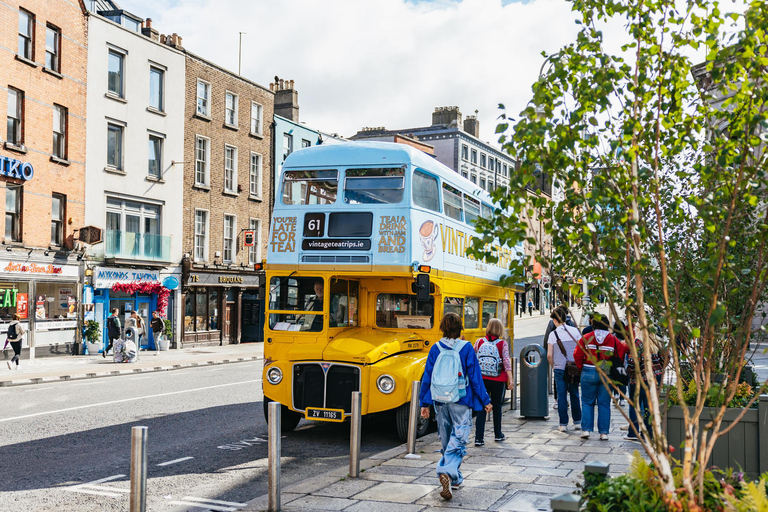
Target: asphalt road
66, 446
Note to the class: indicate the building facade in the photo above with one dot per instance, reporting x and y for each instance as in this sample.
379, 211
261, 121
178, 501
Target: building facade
134, 171
42, 153
227, 187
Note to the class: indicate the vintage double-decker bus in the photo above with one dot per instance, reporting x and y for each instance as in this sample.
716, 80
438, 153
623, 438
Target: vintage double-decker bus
367, 252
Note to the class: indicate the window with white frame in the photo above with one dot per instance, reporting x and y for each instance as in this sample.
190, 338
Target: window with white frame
305, 143
115, 73
230, 169
15, 125
52, 48
59, 132
203, 98
474, 156
13, 198
156, 79
26, 34
58, 206
230, 109
201, 235
155, 158
254, 252
255, 175
482, 160
256, 118
229, 238
202, 160
287, 145
114, 146
464, 152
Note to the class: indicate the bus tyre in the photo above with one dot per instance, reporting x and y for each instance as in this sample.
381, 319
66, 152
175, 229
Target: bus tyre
288, 418
401, 423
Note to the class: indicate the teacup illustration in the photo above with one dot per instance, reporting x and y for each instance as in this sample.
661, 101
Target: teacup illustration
428, 233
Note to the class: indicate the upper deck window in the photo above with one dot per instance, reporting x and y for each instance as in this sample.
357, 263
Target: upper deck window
487, 212
374, 186
425, 191
452, 202
471, 209
310, 187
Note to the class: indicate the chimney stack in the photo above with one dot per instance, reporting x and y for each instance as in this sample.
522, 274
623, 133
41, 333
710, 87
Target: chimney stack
148, 31
449, 116
286, 99
472, 126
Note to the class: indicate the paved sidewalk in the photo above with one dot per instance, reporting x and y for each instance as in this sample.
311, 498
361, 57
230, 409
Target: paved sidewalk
521, 474
50, 369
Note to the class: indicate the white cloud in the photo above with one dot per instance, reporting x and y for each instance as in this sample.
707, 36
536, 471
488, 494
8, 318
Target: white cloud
377, 63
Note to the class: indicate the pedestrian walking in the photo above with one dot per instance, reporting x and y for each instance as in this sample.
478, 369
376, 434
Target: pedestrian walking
560, 347
551, 327
137, 323
598, 345
642, 402
530, 307
496, 369
452, 382
158, 328
113, 330
15, 333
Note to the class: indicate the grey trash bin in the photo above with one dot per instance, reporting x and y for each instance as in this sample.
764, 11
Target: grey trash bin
534, 368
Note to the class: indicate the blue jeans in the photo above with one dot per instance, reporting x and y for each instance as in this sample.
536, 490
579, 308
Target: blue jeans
593, 392
454, 424
642, 403
564, 390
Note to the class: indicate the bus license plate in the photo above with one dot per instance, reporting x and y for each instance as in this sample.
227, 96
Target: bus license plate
324, 414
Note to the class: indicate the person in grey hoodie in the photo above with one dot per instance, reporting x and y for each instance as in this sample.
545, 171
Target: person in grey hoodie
15, 333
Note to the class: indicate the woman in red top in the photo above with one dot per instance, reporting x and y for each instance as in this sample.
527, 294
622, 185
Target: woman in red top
598, 345
494, 359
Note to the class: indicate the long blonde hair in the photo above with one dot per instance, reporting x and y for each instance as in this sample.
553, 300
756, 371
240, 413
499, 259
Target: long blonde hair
494, 328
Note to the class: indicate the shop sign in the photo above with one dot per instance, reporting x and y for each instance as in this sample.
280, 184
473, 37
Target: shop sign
16, 169
106, 277
171, 282
33, 269
201, 279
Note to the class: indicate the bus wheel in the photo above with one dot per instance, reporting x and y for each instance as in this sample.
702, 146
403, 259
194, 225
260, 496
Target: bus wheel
401, 423
288, 418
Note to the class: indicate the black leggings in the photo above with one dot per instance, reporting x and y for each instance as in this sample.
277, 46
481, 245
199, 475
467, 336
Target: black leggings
16, 346
496, 389
109, 345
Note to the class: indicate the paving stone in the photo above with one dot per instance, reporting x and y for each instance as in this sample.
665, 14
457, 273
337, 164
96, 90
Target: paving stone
393, 492
523, 501
345, 488
564, 442
552, 490
505, 477
468, 482
409, 463
320, 503
592, 449
515, 453
463, 499
486, 460
516, 470
310, 485
557, 481
388, 454
384, 477
382, 506
546, 471
537, 463
399, 470
559, 456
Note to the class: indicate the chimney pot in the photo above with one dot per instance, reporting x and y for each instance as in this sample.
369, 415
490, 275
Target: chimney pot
148, 23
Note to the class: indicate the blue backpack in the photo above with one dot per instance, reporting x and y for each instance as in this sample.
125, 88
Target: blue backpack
449, 384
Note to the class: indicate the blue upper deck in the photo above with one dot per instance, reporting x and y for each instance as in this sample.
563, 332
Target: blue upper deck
377, 204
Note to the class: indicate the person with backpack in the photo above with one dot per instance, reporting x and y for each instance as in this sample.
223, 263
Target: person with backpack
597, 346
15, 333
113, 330
452, 382
496, 368
562, 343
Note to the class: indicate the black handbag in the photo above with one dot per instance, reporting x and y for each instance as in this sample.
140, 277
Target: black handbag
572, 372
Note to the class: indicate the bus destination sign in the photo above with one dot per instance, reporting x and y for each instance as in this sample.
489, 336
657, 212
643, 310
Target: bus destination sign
335, 244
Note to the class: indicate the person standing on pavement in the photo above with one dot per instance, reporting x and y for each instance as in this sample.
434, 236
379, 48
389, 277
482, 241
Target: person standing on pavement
113, 330
454, 419
530, 307
598, 345
560, 347
15, 333
137, 323
496, 368
158, 327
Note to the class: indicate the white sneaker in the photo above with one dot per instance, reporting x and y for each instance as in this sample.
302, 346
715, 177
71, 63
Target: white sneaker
577, 426
562, 428
624, 427
603, 437
585, 435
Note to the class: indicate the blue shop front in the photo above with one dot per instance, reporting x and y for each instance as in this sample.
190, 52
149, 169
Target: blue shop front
131, 290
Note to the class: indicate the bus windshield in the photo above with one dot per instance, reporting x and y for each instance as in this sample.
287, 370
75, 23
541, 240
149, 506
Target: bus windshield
400, 311
374, 186
310, 187
299, 295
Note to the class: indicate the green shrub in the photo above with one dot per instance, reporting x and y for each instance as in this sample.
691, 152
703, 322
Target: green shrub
92, 331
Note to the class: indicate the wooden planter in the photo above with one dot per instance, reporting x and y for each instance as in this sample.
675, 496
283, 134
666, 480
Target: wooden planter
744, 448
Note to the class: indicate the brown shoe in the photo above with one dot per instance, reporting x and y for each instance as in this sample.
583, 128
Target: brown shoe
445, 482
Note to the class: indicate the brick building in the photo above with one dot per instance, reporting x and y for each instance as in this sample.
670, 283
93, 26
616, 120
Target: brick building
227, 183
43, 50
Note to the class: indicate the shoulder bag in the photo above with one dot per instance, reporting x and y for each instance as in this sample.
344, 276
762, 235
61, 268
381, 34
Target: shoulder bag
572, 372
618, 374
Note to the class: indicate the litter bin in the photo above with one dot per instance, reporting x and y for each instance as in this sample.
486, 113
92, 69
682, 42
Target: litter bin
534, 367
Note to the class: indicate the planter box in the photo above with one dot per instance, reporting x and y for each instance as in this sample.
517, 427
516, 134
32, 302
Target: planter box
744, 448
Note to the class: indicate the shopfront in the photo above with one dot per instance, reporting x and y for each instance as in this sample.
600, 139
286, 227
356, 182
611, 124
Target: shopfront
44, 293
222, 308
129, 290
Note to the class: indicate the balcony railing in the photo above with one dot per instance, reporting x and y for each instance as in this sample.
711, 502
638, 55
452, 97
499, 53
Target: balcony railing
129, 245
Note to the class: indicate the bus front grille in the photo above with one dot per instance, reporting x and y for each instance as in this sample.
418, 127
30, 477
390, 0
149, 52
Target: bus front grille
330, 389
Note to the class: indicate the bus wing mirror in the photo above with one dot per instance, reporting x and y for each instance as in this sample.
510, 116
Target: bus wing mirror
422, 287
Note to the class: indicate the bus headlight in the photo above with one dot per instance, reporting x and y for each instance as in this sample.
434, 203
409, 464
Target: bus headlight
386, 384
274, 375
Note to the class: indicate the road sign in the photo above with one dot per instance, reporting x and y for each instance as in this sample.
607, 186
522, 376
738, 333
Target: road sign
249, 238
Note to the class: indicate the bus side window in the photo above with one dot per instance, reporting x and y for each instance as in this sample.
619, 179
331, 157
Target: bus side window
453, 305
489, 311
426, 193
452, 202
471, 308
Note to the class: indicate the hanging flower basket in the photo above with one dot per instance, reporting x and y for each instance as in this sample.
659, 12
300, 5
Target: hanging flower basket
161, 291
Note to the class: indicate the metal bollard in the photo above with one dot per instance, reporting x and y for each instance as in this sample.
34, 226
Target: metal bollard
513, 394
565, 503
413, 417
273, 412
138, 469
354, 434
550, 381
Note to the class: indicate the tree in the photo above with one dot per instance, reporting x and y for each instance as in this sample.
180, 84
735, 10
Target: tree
664, 176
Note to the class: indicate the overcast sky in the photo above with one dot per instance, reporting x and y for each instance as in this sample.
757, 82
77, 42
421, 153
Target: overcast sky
386, 63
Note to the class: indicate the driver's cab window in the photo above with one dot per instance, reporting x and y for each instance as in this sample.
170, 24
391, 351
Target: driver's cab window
400, 311
297, 297
471, 308
342, 306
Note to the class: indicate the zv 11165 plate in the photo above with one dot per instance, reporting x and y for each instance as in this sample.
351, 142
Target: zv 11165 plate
312, 413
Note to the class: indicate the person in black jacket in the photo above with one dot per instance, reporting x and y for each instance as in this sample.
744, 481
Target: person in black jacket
158, 328
113, 330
